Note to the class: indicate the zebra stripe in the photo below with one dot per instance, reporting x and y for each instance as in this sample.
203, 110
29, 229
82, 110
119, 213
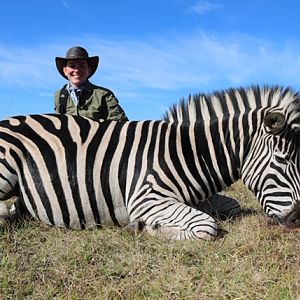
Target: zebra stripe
75, 172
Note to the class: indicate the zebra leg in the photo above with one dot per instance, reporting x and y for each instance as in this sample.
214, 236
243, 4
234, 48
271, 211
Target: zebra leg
221, 207
174, 220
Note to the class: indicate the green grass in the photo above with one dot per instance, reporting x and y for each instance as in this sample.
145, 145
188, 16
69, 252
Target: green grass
254, 260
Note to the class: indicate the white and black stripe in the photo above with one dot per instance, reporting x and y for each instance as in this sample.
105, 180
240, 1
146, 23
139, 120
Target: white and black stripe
76, 173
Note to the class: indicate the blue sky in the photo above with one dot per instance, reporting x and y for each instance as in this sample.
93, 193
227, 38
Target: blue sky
152, 52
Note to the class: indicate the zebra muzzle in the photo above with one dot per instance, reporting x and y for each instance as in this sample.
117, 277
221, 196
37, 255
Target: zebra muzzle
292, 220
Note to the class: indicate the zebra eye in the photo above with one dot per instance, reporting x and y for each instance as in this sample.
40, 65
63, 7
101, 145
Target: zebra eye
282, 159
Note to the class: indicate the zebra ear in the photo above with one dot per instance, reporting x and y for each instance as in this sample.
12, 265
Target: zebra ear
274, 121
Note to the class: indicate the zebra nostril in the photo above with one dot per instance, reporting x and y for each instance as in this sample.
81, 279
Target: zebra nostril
297, 223
293, 220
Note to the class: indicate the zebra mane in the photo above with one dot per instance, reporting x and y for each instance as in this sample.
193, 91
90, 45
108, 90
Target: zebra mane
200, 107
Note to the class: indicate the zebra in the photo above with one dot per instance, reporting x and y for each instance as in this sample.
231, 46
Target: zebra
154, 175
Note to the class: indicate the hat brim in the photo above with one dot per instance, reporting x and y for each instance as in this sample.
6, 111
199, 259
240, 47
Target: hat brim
61, 62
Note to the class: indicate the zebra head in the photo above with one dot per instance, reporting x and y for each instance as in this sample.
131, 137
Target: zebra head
272, 166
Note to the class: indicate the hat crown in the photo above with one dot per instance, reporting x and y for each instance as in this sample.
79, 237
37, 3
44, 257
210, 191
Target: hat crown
77, 52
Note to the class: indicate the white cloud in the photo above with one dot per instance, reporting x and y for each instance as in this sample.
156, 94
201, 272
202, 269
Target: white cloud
198, 60
204, 7
65, 4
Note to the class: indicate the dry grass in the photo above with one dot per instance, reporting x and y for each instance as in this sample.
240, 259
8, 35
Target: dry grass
253, 261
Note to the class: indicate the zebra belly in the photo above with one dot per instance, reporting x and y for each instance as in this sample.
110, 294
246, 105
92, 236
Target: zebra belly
79, 211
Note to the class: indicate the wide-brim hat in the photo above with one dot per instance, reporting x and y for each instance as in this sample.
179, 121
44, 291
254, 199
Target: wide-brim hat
77, 53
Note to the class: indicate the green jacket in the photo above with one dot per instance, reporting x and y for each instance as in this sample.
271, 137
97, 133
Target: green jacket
95, 102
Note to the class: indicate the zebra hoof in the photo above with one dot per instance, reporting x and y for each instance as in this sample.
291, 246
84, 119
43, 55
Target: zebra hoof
136, 226
3, 209
4, 215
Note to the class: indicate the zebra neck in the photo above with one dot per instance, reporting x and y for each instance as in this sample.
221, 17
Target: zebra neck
211, 152
226, 140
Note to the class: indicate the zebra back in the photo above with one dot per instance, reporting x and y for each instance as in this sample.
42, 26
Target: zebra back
222, 104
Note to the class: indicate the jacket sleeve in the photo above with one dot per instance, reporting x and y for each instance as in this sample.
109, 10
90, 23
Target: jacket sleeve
115, 111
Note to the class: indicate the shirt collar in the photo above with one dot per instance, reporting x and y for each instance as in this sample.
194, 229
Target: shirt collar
86, 87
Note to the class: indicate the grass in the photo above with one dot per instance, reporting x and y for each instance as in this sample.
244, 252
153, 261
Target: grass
254, 260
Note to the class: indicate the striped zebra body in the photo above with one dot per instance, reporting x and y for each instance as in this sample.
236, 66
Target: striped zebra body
76, 173
71, 174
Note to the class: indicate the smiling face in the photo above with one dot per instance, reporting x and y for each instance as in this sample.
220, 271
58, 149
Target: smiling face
77, 71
